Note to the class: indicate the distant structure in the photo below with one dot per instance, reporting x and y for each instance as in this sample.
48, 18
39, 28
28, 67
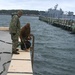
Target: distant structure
58, 14
55, 7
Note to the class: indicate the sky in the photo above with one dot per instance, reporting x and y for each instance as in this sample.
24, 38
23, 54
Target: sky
41, 5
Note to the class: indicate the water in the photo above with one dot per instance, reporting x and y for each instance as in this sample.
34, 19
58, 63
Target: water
54, 47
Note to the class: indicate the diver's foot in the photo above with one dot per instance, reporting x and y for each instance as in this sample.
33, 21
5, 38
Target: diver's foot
15, 52
17, 49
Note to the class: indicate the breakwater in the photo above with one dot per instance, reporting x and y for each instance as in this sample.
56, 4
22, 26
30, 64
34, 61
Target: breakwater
62, 23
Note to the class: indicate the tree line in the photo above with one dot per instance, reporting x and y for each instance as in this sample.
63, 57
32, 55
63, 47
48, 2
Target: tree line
25, 12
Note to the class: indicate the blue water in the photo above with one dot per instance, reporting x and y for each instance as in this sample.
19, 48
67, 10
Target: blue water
54, 48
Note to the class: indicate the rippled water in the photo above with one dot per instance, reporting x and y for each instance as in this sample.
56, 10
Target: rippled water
55, 51
54, 47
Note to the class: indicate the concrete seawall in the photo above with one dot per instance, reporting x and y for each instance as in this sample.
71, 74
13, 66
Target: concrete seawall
4, 28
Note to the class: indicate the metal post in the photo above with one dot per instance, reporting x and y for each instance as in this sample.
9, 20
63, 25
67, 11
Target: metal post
32, 54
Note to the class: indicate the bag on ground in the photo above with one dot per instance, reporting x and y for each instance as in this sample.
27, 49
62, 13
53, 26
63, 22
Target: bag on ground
25, 45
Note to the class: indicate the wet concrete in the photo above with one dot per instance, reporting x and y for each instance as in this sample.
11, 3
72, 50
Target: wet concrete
5, 50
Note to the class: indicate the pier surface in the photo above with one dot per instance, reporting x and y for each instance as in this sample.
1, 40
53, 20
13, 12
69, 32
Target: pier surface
20, 64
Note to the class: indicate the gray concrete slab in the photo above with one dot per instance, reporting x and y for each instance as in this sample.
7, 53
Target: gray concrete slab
4, 48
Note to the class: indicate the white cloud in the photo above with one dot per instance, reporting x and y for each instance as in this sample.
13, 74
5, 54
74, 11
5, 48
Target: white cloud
66, 5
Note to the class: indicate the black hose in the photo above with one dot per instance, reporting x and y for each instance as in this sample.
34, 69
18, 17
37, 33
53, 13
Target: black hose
5, 62
4, 66
5, 42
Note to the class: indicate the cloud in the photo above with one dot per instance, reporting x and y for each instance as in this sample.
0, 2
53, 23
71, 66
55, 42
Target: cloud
66, 5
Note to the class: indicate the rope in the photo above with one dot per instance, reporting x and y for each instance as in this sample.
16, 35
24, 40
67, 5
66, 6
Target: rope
5, 62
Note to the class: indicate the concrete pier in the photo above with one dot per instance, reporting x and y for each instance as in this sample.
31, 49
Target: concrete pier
4, 28
64, 24
20, 64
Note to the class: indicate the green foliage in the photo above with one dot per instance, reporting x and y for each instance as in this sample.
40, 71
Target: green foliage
25, 12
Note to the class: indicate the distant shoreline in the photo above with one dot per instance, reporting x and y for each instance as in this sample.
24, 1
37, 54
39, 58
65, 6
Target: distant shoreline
24, 15
25, 12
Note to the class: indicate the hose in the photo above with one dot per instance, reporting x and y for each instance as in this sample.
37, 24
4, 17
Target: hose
5, 62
